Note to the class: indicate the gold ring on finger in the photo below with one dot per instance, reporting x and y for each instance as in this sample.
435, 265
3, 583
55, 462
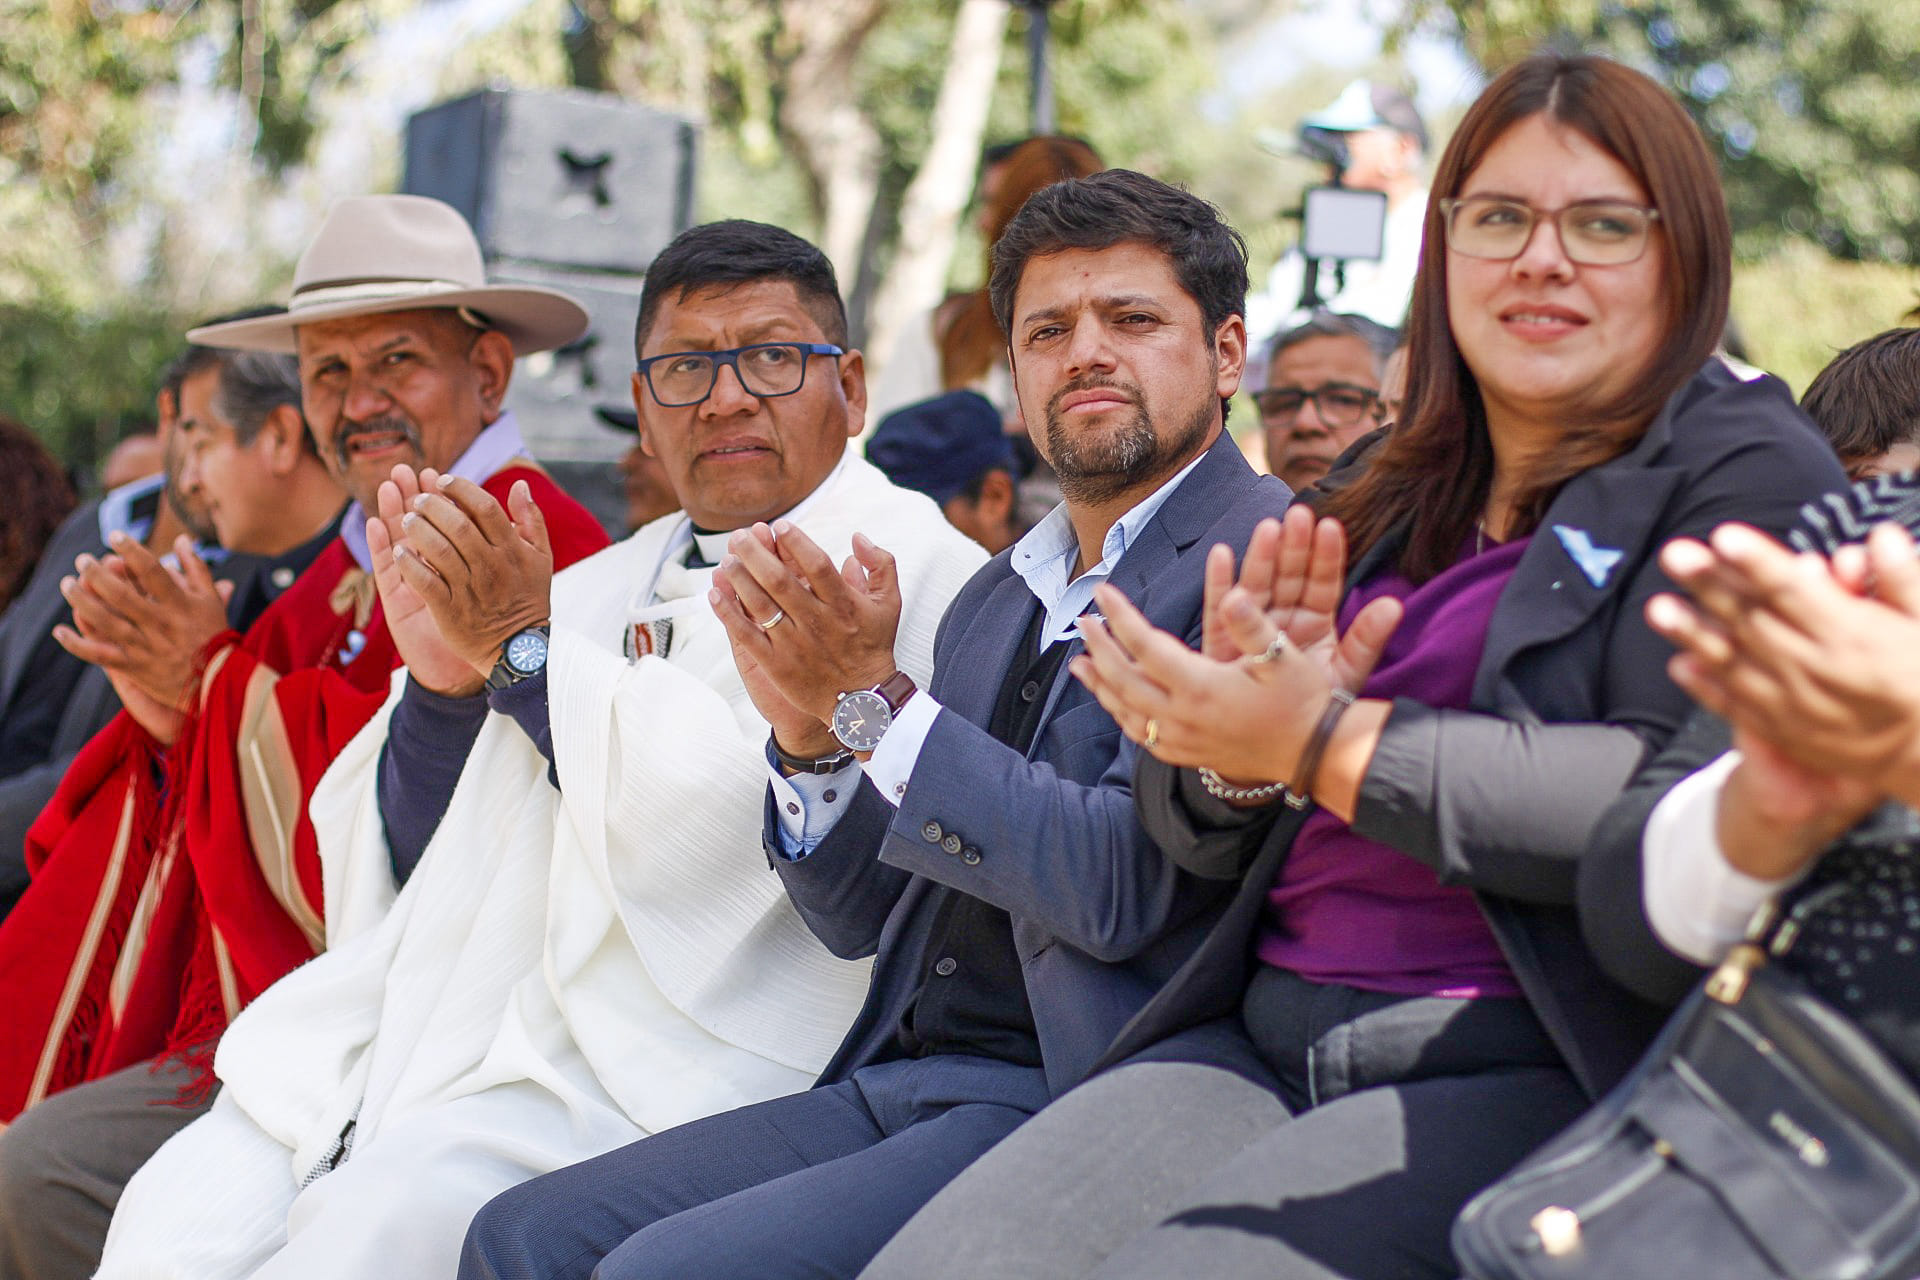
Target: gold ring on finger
1153, 734
772, 622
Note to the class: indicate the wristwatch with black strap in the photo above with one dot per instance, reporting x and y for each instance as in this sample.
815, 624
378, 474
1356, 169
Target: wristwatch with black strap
523, 656
815, 765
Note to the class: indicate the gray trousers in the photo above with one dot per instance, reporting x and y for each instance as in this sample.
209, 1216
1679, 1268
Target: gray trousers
1391, 1113
65, 1160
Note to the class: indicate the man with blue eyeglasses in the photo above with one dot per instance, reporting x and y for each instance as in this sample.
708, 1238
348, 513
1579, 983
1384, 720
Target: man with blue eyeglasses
552, 928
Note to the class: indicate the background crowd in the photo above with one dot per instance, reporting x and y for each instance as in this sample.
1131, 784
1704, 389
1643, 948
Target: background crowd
1150, 864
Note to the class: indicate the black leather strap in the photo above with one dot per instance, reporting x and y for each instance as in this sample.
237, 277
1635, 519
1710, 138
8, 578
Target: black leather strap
802, 764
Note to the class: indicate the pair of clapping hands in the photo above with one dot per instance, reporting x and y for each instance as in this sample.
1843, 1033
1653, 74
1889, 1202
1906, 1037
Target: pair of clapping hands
1246, 704
146, 624
804, 631
1816, 665
458, 576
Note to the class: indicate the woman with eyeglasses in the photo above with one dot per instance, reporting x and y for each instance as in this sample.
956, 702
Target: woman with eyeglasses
1408, 714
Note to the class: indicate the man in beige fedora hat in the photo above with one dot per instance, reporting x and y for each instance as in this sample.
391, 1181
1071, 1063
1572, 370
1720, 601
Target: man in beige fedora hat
590, 946
213, 886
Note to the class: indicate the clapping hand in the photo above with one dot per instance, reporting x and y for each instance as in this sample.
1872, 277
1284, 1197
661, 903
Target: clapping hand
1811, 662
145, 624
1815, 658
1271, 655
483, 574
433, 663
805, 630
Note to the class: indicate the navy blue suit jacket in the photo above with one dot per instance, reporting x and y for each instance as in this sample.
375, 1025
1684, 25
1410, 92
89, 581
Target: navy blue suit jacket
1100, 917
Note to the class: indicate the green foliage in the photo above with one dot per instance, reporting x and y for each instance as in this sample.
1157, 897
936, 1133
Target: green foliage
1813, 105
1798, 308
78, 380
71, 80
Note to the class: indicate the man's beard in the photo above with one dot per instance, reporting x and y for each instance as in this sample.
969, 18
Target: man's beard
1095, 468
191, 513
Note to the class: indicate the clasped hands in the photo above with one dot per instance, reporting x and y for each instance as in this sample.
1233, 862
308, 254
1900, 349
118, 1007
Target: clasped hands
1244, 706
804, 632
144, 623
458, 576
1814, 664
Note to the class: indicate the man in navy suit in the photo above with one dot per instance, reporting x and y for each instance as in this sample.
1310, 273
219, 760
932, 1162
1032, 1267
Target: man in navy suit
978, 837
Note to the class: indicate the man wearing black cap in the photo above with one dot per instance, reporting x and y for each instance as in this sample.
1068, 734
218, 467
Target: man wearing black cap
952, 448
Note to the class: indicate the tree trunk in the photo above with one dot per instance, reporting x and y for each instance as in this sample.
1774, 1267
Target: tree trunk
821, 115
930, 213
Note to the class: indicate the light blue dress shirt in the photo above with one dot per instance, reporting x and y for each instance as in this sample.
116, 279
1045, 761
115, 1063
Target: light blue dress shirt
1045, 560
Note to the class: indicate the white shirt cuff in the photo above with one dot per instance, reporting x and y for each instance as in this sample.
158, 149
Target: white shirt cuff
891, 764
1697, 902
809, 804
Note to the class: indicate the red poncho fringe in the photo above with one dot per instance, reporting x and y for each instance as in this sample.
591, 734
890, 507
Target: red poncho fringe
170, 887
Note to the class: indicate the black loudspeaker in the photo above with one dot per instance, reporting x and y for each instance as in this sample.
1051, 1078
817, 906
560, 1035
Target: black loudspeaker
576, 192
558, 390
570, 179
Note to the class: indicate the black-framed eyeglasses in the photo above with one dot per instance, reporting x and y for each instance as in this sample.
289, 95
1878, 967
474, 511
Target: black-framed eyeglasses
1594, 233
681, 378
1339, 404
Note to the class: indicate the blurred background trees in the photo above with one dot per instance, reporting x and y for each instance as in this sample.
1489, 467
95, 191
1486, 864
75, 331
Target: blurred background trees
164, 159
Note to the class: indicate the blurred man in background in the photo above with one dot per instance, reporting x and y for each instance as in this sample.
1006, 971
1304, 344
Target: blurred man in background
643, 481
952, 449
1373, 139
1322, 393
1867, 404
52, 702
135, 458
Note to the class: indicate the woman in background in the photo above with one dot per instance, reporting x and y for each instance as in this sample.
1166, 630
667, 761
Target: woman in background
958, 345
34, 498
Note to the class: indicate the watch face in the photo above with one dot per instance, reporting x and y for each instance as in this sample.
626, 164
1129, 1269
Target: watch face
860, 718
527, 652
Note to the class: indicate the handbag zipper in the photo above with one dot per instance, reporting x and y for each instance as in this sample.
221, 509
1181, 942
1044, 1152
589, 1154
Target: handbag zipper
1556, 1228
1729, 982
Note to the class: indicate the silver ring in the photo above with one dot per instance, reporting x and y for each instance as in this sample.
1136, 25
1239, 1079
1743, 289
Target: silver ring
1275, 647
772, 622
1153, 734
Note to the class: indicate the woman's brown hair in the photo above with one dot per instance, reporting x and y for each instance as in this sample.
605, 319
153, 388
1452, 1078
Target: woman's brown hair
1436, 466
34, 498
970, 338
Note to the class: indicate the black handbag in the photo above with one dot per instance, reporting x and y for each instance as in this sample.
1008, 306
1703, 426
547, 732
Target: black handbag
1763, 1135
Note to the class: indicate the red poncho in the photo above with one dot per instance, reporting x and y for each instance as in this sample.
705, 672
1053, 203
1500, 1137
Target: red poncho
171, 886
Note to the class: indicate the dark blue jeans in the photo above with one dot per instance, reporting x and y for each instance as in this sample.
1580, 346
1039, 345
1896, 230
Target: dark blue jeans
808, 1185
1324, 1042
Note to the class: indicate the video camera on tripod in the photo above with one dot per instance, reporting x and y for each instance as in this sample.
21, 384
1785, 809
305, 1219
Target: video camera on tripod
1342, 223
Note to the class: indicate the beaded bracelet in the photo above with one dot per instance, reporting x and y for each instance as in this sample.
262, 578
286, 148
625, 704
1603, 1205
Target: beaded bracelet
1220, 789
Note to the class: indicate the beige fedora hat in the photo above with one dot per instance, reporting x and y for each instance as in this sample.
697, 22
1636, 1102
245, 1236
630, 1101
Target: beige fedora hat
376, 254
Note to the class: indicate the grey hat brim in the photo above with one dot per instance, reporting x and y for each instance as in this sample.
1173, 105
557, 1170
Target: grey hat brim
533, 319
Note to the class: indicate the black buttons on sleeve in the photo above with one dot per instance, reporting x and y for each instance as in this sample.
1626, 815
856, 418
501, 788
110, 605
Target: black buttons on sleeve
950, 842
